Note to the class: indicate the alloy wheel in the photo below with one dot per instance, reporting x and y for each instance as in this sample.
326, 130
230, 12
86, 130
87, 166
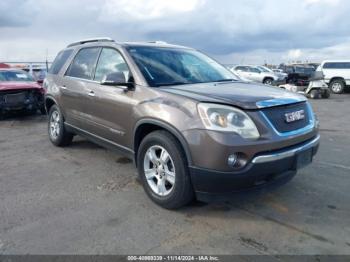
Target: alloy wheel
55, 125
159, 170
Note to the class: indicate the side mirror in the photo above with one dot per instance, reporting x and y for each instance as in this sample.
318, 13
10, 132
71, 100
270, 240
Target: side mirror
116, 79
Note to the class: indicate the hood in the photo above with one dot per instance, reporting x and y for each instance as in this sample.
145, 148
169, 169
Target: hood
240, 94
14, 85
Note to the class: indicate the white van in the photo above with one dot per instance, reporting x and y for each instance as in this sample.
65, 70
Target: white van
336, 74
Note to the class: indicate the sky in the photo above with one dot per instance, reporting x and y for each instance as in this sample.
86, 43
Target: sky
232, 31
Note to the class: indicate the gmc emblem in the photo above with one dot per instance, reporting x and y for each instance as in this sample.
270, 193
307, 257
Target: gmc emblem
294, 116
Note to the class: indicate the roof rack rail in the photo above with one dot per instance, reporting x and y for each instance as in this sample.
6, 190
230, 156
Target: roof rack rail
91, 40
157, 42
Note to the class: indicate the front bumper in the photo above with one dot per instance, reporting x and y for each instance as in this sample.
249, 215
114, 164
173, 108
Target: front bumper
264, 171
22, 100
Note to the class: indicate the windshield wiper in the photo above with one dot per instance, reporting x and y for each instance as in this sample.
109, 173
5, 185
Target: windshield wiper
172, 84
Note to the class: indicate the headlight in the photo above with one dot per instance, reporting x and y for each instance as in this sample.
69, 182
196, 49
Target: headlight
228, 119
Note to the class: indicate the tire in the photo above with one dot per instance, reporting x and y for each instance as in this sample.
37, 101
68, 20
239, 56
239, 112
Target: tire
326, 94
268, 81
314, 94
169, 191
337, 86
58, 135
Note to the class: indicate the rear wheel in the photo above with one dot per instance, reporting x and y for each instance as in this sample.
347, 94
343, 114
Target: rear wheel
337, 86
314, 94
58, 135
163, 169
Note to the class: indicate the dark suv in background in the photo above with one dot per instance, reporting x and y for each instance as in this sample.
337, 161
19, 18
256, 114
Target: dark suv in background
298, 74
192, 129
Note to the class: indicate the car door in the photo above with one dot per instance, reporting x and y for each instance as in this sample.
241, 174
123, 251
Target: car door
110, 106
255, 74
76, 87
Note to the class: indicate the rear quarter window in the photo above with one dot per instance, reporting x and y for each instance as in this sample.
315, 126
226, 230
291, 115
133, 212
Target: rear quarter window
59, 61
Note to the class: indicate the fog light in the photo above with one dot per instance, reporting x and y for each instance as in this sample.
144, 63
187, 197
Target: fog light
232, 160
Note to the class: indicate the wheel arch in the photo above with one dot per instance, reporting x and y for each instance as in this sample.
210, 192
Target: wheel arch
49, 102
267, 77
337, 78
146, 126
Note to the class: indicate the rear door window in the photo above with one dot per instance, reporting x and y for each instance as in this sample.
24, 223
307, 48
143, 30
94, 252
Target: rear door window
337, 65
254, 70
59, 61
84, 63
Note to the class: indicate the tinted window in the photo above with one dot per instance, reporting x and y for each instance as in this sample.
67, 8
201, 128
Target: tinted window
110, 61
254, 70
337, 65
60, 60
304, 70
83, 64
242, 68
289, 70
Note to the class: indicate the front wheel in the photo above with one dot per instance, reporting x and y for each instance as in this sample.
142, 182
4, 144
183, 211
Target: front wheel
163, 169
268, 81
58, 135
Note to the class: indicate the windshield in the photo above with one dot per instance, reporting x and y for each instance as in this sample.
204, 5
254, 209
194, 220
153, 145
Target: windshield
17, 76
175, 66
264, 69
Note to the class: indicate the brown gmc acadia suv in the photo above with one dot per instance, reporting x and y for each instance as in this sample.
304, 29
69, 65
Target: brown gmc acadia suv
192, 128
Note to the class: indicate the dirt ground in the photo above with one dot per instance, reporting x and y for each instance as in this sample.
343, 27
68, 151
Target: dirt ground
84, 199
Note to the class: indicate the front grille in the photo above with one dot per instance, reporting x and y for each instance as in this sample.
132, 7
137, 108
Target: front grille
20, 98
15, 98
276, 115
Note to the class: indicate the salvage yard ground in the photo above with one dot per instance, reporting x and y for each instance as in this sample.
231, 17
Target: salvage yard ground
86, 200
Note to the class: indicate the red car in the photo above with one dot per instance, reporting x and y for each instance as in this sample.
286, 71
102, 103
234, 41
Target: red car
19, 91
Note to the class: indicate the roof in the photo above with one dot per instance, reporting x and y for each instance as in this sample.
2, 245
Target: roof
335, 61
104, 40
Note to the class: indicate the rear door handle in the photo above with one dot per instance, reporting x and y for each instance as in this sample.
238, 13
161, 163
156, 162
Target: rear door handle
91, 93
63, 87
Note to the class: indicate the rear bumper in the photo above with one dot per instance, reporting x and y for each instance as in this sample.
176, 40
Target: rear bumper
264, 172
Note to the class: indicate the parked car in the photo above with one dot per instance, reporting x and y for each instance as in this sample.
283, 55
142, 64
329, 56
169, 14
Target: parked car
19, 91
298, 74
164, 106
255, 74
281, 76
280, 73
229, 67
337, 74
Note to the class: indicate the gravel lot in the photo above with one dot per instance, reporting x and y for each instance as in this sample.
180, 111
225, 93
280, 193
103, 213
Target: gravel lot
86, 200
